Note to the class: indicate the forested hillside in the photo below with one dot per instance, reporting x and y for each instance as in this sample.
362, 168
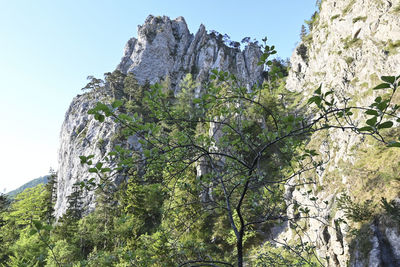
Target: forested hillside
33, 183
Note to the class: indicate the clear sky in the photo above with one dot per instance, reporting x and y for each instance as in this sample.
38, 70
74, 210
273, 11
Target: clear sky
49, 47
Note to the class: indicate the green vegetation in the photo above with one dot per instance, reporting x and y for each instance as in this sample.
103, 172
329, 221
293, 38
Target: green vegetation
356, 212
397, 9
30, 184
352, 42
302, 52
360, 18
19, 247
335, 17
312, 23
392, 47
349, 60
348, 8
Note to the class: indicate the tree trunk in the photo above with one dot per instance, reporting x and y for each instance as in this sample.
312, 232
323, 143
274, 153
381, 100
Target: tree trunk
239, 246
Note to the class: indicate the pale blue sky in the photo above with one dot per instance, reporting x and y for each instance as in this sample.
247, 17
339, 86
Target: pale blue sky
48, 48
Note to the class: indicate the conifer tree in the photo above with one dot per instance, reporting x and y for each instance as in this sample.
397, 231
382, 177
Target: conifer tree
51, 196
303, 32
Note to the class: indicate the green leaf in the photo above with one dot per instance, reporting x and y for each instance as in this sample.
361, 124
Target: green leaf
388, 79
372, 121
372, 112
99, 117
146, 153
105, 170
99, 165
318, 91
93, 170
48, 227
196, 101
32, 232
117, 103
124, 117
381, 86
382, 106
83, 159
386, 124
394, 144
314, 99
37, 224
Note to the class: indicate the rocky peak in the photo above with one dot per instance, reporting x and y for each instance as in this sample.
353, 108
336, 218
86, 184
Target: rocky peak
163, 47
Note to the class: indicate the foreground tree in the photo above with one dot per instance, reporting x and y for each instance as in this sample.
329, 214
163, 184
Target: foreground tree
226, 155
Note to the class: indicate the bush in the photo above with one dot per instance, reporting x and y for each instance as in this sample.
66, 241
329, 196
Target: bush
302, 52
356, 212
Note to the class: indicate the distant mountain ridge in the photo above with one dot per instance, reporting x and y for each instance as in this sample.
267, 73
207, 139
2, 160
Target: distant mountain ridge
30, 184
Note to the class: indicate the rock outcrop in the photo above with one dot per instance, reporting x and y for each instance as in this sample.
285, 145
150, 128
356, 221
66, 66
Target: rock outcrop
164, 48
351, 44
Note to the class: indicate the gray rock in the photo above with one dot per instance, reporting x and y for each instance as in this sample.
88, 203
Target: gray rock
349, 46
164, 47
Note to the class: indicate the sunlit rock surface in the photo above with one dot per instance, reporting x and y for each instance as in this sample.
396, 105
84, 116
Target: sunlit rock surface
163, 48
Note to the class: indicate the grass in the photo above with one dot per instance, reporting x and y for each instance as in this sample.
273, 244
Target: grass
397, 9
348, 7
335, 17
349, 42
308, 38
392, 47
360, 18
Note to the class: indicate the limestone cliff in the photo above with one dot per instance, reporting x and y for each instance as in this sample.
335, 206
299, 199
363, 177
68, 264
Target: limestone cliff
163, 48
351, 43
167, 48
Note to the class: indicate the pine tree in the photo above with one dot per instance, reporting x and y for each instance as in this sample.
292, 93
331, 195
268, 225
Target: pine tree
303, 32
51, 196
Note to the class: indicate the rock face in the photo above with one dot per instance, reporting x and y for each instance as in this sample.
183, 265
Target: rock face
164, 48
351, 44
